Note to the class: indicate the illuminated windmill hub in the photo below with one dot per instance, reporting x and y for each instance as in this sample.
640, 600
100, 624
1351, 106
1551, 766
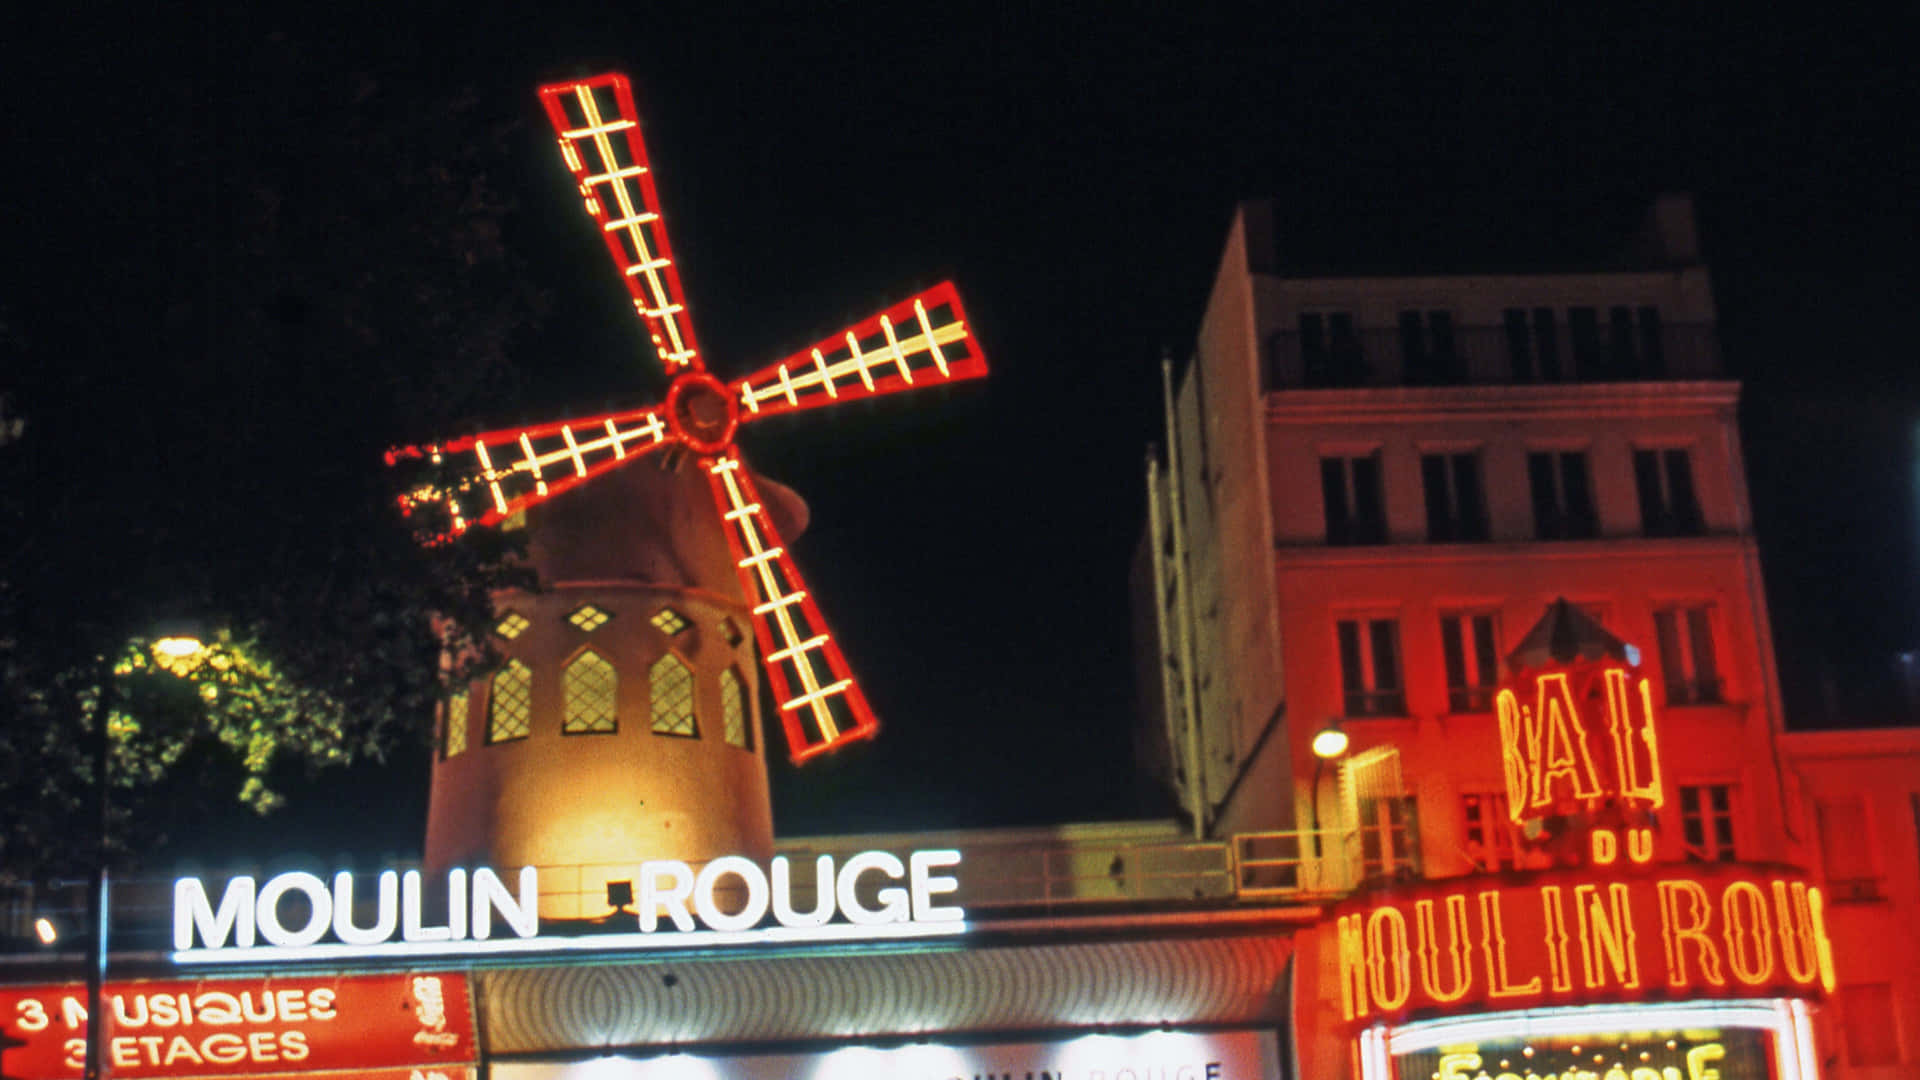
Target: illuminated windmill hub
701, 413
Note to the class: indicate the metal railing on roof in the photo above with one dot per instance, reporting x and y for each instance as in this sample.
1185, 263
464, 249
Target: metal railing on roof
1050, 874
1483, 355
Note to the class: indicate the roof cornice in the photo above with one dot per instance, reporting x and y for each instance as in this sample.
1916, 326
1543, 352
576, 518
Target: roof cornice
1505, 401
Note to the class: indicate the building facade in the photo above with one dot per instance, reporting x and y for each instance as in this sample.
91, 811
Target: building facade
1374, 485
1860, 804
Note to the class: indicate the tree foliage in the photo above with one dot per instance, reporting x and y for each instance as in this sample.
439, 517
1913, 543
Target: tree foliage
264, 274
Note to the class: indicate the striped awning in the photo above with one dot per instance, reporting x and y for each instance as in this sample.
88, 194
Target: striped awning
881, 992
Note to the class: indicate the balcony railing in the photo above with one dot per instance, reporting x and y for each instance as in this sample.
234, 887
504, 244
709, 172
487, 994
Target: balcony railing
1298, 864
1694, 692
1470, 699
1390, 702
996, 879
1482, 355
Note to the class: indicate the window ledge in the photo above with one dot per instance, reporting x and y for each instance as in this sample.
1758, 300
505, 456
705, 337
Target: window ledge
1416, 551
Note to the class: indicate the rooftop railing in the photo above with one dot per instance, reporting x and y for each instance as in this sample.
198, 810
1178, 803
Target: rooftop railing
996, 879
1486, 355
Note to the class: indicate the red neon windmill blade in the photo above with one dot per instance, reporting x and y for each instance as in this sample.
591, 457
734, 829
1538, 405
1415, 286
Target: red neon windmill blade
917, 342
500, 473
821, 706
922, 341
599, 130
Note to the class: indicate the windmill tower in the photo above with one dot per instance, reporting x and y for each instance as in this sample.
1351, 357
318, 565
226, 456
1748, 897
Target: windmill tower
621, 726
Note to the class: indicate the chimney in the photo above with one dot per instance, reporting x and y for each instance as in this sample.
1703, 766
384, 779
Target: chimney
1667, 235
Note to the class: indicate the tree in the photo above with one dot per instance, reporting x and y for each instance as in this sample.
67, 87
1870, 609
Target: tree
266, 273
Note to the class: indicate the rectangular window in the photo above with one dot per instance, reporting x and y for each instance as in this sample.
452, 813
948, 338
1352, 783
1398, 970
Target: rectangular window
1668, 506
1686, 655
1313, 349
1653, 353
1519, 344
1630, 348
1355, 505
1456, 499
1343, 347
1329, 350
1493, 841
1562, 497
1583, 324
1546, 344
1427, 348
1445, 357
1470, 646
1370, 667
1387, 831
1413, 347
1706, 822
1623, 357
1846, 849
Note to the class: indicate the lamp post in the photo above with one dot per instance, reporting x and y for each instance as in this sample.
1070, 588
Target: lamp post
178, 652
1328, 743
97, 876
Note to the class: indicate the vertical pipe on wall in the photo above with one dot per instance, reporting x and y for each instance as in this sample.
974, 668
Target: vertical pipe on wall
1183, 620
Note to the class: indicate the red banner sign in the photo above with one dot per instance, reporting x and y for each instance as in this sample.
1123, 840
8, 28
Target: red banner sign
236, 1027
1552, 938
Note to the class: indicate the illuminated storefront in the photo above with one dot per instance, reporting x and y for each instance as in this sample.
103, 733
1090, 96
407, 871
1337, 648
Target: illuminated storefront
1610, 963
850, 964
1553, 938
1705, 1040
1150, 1056
1702, 971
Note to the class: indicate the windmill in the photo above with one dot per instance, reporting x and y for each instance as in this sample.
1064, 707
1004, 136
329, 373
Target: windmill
920, 342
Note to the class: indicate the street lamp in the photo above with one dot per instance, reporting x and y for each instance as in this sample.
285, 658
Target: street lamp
178, 650
1328, 743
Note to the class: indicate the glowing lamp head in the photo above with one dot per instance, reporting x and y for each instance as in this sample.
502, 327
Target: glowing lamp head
177, 648
179, 653
1329, 742
44, 929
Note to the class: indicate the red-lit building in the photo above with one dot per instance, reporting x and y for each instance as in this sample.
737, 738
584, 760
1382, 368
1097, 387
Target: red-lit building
1374, 486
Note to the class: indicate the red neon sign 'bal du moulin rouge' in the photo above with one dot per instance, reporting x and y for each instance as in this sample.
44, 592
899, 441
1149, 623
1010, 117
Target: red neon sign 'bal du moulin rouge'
922, 341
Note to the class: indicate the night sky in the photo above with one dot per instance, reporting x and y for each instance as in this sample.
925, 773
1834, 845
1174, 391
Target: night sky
1074, 170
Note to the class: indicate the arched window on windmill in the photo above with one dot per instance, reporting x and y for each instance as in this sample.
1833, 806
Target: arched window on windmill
453, 737
733, 710
671, 684
589, 688
510, 703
